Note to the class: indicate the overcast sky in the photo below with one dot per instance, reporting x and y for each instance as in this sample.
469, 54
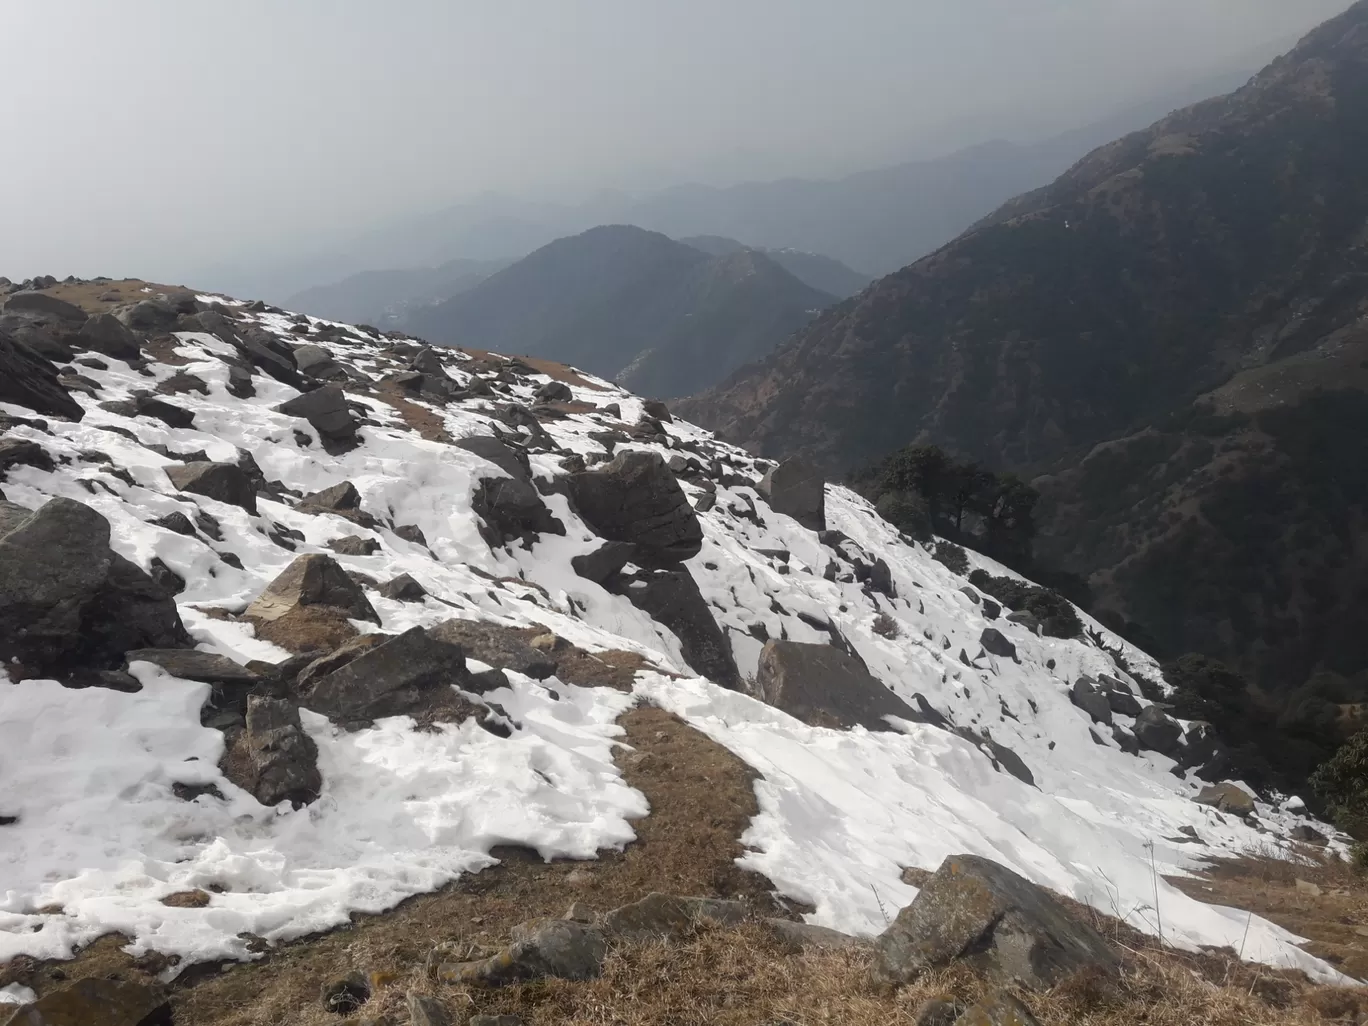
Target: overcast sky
141, 136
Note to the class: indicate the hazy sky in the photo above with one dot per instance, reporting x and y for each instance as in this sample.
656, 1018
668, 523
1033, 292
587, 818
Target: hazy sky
142, 136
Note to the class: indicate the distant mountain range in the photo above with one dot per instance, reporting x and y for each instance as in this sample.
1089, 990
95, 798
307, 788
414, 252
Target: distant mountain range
386, 298
661, 317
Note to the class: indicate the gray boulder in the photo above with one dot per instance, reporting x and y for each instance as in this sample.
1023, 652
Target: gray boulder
149, 406
403, 589
666, 916
492, 643
1086, 696
553, 392
273, 758
1158, 732
398, 678
1227, 797
28, 380
797, 936
796, 488
16, 452
354, 545
510, 509
327, 412
148, 315
106, 334
825, 687
671, 598
1119, 697
603, 562
977, 912
634, 498
42, 304
312, 580
512, 462
316, 362
226, 482
342, 496
994, 642
192, 664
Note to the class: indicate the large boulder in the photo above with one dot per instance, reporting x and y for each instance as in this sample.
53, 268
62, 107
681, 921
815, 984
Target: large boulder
1227, 797
994, 642
605, 561
974, 911
317, 362
796, 489
634, 498
96, 1002
1158, 731
148, 315
27, 380
504, 647
512, 462
343, 496
106, 334
825, 687
273, 758
226, 482
47, 306
68, 601
398, 678
1087, 697
327, 412
510, 509
312, 580
671, 598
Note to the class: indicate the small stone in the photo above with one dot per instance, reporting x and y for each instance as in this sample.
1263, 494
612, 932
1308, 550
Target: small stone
427, 1011
1000, 1009
937, 1011
187, 899
580, 913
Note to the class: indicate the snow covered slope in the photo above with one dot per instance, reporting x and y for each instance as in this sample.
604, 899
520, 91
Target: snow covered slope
95, 780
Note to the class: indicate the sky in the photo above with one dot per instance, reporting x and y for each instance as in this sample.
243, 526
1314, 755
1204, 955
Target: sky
145, 137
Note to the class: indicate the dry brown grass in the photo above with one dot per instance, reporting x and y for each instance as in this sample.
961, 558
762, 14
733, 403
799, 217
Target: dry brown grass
420, 419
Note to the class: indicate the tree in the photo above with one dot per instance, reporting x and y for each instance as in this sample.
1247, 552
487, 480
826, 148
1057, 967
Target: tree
1341, 782
1206, 689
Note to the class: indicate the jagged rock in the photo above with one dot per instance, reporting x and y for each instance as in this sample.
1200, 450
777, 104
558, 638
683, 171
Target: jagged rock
1084, 695
67, 601
106, 334
998, 1009
1119, 697
327, 412
825, 687
427, 1011
995, 643
636, 499
394, 679
343, 496
96, 1002
974, 911
657, 409
176, 522
502, 455
312, 580
541, 948
503, 647
665, 916
510, 509
226, 482
1003, 757
671, 598
603, 562
48, 306
192, 664
354, 545
273, 758
1126, 740
403, 589
1309, 835
1227, 797
797, 936
27, 380
316, 362
554, 391
797, 489
21, 451
1158, 732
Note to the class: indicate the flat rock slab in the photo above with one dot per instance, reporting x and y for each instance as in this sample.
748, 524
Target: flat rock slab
504, 647
662, 916
974, 911
226, 482
192, 664
397, 678
825, 687
93, 1002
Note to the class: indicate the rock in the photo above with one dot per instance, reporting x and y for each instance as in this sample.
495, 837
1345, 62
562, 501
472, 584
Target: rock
176, 522
1308, 835
994, 643
999, 1009
510, 509
396, 678
96, 1002
825, 687
494, 1020
342, 496
226, 482
48, 306
797, 489
317, 362
67, 601
28, 380
21, 451
106, 334
1158, 732
403, 589
166, 578
354, 545
273, 758
511, 461
1200, 745
312, 580
1084, 695
148, 315
666, 916
556, 948
938, 1011
503, 647
603, 562
1119, 698
1126, 740
192, 664
147, 406
1227, 798
554, 391
974, 911
1026, 620
411, 533
797, 936
240, 382
634, 498
339, 657
427, 1011
327, 412
611, 410
881, 578
671, 598
343, 995
657, 409
1308, 888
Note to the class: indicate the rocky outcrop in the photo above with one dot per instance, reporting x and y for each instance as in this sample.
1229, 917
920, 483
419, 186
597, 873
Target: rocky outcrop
96, 1002
273, 758
825, 687
796, 488
634, 498
977, 912
327, 412
312, 580
671, 598
511, 510
27, 380
400, 677
226, 482
504, 647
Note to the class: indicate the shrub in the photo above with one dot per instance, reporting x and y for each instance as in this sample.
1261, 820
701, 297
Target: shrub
1341, 782
1056, 614
953, 556
907, 513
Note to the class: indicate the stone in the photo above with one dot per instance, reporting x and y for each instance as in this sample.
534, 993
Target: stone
316, 362
1308, 888
553, 392
796, 488
148, 406
1227, 797
1086, 696
337, 658
881, 578
327, 412
825, 687
1200, 744
403, 589
106, 334
671, 598
23, 452
397, 678
1027, 620
170, 581
1126, 740
148, 315
312, 580
979, 913
937, 1011
1120, 698
510, 509
68, 601
657, 409
494, 1020
666, 916
273, 758
1309, 835
240, 382
1158, 732
47, 306
511, 461
176, 522
96, 1002
995, 643
634, 498
354, 545
192, 664
999, 1009
343, 496
411, 533
497, 645
28, 380
427, 1011
797, 936
541, 948
603, 562
226, 482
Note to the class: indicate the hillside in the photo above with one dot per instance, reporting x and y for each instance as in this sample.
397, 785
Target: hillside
823, 273
662, 317
299, 622
387, 298
1173, 335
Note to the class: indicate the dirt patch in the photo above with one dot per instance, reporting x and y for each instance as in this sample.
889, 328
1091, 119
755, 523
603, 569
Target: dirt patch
615, 668
307, 629
162, 348
88, 295
559, 410
486, 361
427, 424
